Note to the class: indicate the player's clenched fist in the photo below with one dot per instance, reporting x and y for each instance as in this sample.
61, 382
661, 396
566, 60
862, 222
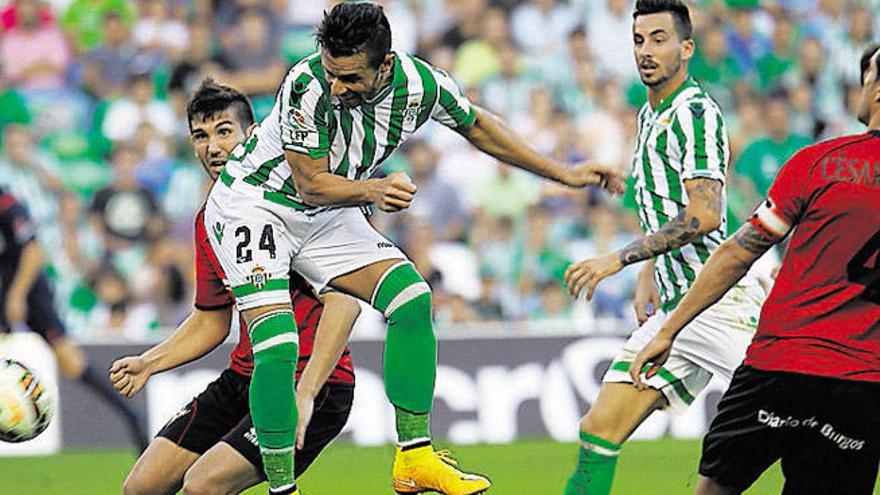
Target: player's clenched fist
393, 193
129, 375
604, 176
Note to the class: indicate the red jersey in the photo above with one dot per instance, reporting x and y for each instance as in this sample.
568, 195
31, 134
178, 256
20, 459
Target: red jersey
823, 315
212, 293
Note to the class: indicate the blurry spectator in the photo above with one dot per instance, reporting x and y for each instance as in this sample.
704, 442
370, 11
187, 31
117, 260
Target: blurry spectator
155, 30
161, 283
508, 92
508, 194
602, 133
555, 302
118, 317
714, 67
226, 16
762, 159
34, 55
138, 106
400, 16
537, 122
812, 69
855, 40
555, 69
466, 19
540, 27
609, 26
744, 124
478, 59
10, 18
847, 123
252, 62
538, 259
110, 64
803, 115
782, 56
32, 175
487, 306
495, 242
84, 20
580, 95
187, 73
746, 44
437, 202
827, 22
125, 213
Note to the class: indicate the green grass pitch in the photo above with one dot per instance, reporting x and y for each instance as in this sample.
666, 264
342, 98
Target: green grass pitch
524, 468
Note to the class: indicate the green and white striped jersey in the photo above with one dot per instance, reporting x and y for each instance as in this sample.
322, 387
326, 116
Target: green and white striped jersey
307, 119
684, 138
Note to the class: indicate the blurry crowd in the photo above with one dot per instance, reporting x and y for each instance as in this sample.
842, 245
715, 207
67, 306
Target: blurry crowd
94, 136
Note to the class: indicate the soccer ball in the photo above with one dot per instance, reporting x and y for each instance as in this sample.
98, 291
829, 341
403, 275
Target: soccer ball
26, 404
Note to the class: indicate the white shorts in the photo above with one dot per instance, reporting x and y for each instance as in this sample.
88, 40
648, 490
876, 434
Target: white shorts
714, 344
258, 242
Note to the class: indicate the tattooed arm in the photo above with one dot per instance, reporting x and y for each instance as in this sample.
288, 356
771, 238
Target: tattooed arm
725, 267
701, 215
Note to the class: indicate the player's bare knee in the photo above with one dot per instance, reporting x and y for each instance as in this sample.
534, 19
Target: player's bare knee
599, 423
136, 484
195, 482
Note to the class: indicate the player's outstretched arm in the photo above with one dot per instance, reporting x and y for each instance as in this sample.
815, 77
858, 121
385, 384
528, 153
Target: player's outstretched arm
701, 216
727, 265
334, 329
198, 335
492, 136
319, 187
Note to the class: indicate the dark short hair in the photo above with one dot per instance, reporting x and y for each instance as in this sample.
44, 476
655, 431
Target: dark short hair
866, 61
680, 14
351, 28
212, 98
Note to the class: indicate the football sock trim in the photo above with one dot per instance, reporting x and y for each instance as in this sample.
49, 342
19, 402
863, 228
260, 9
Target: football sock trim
415, 443
599, 445
597, 461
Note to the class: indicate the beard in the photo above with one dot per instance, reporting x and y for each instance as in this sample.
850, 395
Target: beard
662, 76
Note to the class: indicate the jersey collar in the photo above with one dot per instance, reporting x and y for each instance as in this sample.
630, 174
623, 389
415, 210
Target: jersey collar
398, 78
667, 102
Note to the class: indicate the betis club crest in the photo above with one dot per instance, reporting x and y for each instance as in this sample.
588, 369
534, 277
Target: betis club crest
259, 277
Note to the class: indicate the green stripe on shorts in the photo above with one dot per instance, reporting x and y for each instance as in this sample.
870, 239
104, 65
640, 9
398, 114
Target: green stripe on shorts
249, 288
665, 374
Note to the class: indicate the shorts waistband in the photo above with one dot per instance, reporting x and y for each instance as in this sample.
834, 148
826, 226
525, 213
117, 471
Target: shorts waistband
257, 192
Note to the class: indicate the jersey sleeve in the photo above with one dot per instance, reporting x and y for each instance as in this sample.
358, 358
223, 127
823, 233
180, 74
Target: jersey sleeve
786, 199
452, 108
703, 145
211, 292
304, 110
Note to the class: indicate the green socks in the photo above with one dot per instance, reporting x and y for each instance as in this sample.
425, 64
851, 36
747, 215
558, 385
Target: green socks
410, 366
411, 427
272, 400
597, 460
